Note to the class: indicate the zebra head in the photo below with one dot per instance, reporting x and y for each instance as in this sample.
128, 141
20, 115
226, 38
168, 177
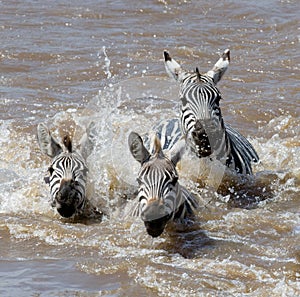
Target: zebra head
68, 172
201, 118
159, 193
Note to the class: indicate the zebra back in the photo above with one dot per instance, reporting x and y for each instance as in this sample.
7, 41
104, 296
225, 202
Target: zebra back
242, 152
168, 132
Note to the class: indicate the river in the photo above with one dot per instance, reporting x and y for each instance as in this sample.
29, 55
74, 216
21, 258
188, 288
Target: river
67, 63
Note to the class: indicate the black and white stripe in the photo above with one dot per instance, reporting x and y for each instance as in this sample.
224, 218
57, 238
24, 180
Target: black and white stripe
67, 174
168, 132
201, 119
160, 197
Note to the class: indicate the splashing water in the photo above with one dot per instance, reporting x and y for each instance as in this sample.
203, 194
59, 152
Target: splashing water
245, 238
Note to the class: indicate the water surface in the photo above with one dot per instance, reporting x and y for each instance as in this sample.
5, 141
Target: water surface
102, 60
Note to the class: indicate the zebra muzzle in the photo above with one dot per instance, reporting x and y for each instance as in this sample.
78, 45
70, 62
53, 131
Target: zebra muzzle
67, 199
156, 227
155, 218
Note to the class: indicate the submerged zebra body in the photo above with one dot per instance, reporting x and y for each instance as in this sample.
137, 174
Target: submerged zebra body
160, 197
201, 119
67, 174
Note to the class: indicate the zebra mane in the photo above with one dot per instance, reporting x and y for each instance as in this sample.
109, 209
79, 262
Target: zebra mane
68, 143
198, 73
157, 147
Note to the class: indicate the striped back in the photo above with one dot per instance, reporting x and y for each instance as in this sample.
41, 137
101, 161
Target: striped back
201, 119
67, 174
169, 133
160, 196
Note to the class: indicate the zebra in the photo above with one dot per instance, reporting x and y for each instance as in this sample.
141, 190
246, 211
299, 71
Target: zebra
160, 196
168, 131
201, 119
67, 173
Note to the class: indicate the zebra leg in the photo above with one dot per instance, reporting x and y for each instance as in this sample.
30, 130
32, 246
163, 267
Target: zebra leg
220, 67
47, 143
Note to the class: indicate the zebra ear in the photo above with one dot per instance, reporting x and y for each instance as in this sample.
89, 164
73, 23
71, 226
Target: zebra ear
47, 143
177, 151
137, 148
172, 67
220, 67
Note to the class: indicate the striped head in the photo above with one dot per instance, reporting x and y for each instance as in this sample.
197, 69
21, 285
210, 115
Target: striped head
159, 193
67, 173
201, 118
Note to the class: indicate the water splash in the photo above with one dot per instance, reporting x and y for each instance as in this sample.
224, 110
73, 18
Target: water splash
106, 67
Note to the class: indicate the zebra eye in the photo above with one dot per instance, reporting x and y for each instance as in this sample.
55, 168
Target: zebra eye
174, 181
51, 170
171, 185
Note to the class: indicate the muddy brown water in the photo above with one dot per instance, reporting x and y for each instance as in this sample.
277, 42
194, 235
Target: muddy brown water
67, 63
